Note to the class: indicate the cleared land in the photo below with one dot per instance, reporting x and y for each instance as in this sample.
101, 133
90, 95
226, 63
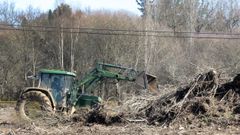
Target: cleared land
207, 105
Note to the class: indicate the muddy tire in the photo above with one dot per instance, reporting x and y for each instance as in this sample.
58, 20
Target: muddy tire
38, 101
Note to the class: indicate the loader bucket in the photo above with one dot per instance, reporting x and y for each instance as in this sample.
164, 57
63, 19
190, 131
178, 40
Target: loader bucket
147, 81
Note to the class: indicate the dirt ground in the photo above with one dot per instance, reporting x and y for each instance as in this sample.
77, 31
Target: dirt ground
10, 125
205, 106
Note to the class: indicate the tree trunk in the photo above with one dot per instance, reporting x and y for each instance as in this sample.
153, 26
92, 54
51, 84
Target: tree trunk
72, 53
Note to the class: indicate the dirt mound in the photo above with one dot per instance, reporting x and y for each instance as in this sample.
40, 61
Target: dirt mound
102, 117
203, 100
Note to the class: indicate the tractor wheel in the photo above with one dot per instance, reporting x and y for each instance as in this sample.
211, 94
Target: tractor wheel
34, 105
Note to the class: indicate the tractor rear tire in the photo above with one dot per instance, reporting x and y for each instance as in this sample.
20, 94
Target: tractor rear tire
33, 96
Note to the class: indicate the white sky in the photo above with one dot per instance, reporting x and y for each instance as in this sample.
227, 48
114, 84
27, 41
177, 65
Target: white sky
114, 5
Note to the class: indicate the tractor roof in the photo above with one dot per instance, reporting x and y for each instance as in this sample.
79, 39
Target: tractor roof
61, 72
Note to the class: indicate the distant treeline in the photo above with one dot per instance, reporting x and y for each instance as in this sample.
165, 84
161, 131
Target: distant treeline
168, 40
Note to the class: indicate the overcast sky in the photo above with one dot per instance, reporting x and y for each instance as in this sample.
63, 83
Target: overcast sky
114, 5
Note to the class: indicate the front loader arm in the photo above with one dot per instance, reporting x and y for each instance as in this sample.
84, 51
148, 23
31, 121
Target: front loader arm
100, 72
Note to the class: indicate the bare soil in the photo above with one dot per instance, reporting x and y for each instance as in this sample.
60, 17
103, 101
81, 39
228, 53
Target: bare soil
9, 124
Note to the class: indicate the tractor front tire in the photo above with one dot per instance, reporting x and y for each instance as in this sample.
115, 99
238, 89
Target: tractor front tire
43, 104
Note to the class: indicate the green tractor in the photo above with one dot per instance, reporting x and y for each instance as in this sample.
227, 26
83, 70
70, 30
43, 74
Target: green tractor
60, 91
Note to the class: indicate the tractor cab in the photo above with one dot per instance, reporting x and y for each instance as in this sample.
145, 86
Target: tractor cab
57, 82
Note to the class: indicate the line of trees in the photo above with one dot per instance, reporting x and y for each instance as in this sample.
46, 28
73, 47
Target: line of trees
173, 60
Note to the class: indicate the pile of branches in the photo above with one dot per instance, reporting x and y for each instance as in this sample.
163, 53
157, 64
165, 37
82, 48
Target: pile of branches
204, 99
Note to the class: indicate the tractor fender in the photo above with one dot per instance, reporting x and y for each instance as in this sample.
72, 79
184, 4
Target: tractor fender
45, 91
